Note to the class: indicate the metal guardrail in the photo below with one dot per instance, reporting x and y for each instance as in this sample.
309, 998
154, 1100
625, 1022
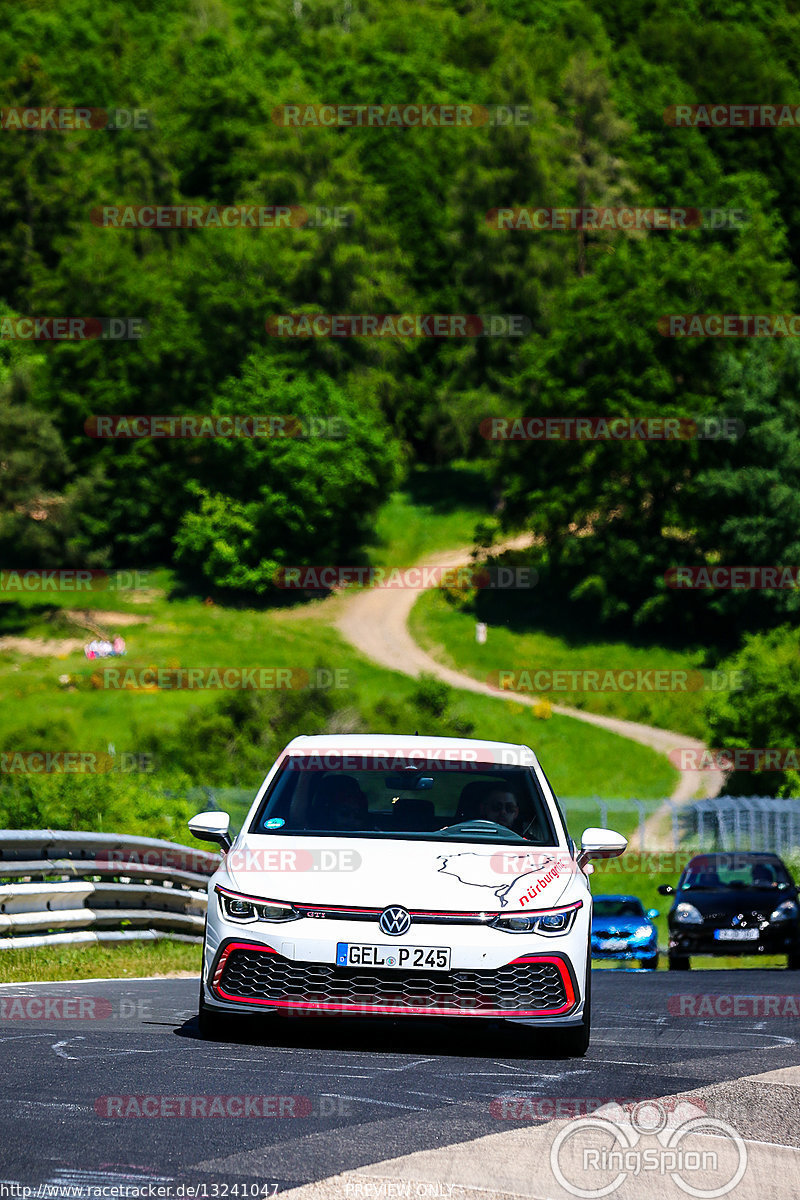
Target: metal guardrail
61, 887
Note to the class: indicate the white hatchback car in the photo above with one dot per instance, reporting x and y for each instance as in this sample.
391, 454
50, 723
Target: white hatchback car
404, 877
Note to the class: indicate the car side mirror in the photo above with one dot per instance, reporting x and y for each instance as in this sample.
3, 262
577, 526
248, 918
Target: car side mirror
665, 889
653, 913
212, 827
601, 843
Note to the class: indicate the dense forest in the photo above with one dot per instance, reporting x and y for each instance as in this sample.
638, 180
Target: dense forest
399, 220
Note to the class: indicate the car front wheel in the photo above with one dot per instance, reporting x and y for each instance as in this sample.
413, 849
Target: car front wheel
677, 963
573, 1043
650, 964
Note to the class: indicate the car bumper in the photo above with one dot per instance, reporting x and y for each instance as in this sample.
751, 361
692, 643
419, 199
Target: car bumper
291, 968
631, 953
703, 942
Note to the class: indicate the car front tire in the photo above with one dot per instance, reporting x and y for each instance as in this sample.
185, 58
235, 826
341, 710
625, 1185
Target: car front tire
573, 1043
213, 1026
650, 964
677, 963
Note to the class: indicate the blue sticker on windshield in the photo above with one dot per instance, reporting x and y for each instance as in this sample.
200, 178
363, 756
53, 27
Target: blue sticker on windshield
274, 823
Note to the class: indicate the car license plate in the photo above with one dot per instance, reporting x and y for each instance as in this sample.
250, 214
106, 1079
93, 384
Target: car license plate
613, 944
736, 935
399, 958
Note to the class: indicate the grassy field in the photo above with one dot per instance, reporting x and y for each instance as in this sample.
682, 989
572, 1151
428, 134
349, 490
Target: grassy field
57, 700
98, 961
448, 634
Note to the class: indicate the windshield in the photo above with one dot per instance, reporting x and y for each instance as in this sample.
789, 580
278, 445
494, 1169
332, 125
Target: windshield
729, 871
618, 908
458, 801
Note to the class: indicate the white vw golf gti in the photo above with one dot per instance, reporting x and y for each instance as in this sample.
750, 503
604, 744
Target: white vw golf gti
380, 875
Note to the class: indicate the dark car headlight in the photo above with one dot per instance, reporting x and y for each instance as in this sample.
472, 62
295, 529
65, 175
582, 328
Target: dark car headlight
551, 924
687, 914
245, 909
784, 912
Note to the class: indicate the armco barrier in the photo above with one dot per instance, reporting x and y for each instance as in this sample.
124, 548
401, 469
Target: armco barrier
68, 887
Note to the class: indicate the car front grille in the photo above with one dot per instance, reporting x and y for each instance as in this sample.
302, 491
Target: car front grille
526, 987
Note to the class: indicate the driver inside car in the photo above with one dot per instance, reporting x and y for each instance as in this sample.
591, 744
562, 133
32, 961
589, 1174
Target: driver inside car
500, 806
340, 804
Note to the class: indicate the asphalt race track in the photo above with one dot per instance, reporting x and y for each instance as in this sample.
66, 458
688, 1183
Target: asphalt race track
337, 1096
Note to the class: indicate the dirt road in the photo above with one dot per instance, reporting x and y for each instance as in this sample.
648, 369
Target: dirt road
375, 622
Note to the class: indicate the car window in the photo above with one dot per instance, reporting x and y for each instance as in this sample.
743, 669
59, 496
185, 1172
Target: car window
336, 797
709, 872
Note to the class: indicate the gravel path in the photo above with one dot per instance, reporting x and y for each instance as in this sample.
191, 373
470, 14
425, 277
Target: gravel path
375, 621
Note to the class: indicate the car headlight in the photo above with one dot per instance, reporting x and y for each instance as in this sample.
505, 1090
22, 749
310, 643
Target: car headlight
643, 933
784, 912
687, 914
245, 909
550, 923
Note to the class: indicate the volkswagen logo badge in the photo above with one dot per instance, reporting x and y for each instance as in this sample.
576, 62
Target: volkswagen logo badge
394, 921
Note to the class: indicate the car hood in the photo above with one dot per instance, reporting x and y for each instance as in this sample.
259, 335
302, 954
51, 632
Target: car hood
372, 873
623, 926
727, 902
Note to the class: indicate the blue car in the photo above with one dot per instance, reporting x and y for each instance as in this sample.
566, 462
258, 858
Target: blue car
622, 930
